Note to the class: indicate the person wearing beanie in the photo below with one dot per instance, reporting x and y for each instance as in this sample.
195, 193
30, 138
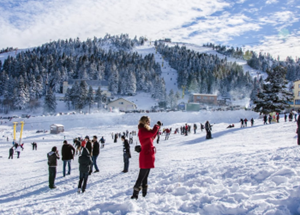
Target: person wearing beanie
53, 156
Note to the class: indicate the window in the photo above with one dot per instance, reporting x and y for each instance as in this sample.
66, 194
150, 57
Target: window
298, 93
297, 102
212, 98
298, 85
121, 103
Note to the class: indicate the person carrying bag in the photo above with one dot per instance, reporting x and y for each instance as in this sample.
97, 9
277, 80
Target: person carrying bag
146, 136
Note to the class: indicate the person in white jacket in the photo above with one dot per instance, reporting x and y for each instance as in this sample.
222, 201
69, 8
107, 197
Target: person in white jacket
18, 150
130, 138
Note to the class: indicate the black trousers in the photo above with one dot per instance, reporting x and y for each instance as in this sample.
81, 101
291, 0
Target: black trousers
142, 178
83, 177
52, 175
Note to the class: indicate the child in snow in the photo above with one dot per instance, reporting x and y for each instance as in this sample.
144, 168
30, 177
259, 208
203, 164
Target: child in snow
85, 163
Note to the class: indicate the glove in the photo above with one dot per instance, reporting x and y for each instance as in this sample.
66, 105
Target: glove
159, 123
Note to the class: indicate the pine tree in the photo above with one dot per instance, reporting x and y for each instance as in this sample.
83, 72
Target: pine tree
82, 96
131, 88
50, 102
90, 98
74, 95
21, 95
274, 96
98, 97
67, 99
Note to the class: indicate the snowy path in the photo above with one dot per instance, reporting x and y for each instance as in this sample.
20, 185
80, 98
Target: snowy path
169, 74
241, 171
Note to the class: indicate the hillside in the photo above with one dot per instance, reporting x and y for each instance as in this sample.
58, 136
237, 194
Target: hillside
133, 68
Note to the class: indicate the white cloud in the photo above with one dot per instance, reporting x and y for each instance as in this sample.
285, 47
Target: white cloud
280, 19
283, 48
271, 1
216, 29
35, 22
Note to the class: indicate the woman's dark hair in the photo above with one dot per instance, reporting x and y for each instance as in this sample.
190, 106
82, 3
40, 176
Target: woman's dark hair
54, 149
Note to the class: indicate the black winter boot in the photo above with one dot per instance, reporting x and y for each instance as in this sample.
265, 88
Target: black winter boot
144, 190
135, 194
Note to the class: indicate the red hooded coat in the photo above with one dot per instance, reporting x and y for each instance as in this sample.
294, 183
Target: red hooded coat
147, 155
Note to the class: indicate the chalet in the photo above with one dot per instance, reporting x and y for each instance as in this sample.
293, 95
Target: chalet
122, 104
204, 99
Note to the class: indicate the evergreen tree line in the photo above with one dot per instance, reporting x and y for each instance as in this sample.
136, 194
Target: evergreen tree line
81, 95
203, 73
262, 62
24, 79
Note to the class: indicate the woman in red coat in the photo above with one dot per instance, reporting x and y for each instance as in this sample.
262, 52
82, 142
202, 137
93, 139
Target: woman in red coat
147, 154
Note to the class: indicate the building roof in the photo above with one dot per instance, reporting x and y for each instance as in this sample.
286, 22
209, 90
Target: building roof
57, 125
123, 100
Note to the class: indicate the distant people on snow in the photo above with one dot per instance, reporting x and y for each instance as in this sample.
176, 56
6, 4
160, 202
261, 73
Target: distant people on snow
11, 153
242, 123
34, 146
116, 138
230, 126
252, 122
245, 122
126, 153
18, 149
208, 128
102, 140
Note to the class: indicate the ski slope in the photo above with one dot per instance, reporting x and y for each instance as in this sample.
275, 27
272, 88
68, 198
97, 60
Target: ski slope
253, 170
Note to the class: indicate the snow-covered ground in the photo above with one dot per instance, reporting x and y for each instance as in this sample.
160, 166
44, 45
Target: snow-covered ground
253, 170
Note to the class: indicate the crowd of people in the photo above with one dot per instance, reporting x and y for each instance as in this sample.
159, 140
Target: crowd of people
88, 150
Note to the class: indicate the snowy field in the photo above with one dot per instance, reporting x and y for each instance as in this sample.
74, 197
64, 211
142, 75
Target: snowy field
253, 170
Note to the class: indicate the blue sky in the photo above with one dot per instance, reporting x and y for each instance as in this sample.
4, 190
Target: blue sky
268, 25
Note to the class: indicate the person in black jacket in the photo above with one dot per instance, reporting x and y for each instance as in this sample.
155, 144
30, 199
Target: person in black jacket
88, 146
67, 153
208, 130
96, 152
102, 140
53, 156
126, 153
11, 153
85, 163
